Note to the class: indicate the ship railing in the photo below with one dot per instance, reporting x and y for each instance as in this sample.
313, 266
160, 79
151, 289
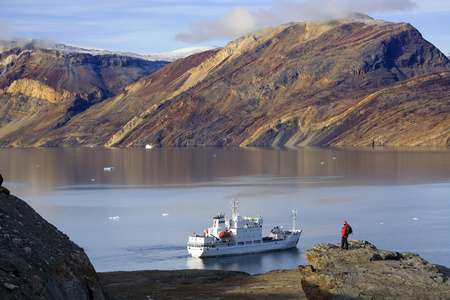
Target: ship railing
200, 245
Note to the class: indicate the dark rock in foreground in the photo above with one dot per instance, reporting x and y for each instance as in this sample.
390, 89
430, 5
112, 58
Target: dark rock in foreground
37, 261
364, 272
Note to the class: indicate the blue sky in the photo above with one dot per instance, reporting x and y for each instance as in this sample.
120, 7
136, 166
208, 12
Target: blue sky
150, 26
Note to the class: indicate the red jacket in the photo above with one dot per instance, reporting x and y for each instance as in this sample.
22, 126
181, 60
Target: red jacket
344, 231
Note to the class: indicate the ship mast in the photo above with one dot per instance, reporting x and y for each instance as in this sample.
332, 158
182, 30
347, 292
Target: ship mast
235, 208
294, 217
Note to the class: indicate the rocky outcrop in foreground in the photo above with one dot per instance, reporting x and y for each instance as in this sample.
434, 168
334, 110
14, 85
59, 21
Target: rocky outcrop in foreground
37, 261
364, 272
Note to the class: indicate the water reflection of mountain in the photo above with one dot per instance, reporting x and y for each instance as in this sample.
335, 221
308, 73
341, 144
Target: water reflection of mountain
46, 168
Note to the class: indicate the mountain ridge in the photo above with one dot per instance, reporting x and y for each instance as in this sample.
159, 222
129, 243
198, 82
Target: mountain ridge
170, 56
280, 86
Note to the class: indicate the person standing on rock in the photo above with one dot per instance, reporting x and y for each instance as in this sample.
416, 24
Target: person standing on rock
3, 189
346, 230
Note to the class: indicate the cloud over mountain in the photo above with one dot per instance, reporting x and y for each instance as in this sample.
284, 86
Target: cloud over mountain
242, 20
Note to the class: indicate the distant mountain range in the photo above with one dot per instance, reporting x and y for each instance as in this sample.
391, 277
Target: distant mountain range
343, 83
8, 44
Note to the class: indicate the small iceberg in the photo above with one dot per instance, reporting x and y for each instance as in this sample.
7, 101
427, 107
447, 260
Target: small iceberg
148, 146
165, 215
109, 169
415, 219
116, 218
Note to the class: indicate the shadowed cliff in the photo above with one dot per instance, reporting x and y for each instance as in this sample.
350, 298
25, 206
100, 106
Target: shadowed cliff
37, 261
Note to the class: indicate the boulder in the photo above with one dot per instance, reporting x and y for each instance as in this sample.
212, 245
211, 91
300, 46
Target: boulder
365, 272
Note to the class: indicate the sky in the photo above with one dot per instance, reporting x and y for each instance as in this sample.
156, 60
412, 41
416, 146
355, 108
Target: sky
152, 26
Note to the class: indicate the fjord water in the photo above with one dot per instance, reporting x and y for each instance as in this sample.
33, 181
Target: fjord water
139, 215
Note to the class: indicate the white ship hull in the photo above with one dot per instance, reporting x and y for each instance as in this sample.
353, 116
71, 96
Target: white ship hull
241, 235
223, 249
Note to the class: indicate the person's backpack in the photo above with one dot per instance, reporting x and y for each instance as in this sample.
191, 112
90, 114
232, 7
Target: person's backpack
349, 230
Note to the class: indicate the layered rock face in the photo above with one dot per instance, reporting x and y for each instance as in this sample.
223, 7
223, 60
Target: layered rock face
349, 82
364, 272
39, 262
42, 88
357, 82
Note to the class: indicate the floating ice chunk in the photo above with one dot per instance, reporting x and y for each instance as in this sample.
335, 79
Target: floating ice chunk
165, 215
109, 169
116, 218
148, 146
381, 223
322, 162
415, 219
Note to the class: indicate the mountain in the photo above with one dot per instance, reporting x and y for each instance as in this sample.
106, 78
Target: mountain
43, 85
160, 56
38, 261
177, 54
348, 82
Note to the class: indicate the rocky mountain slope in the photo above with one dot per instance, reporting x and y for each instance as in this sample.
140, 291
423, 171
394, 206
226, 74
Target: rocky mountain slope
42, 87
37, 261
350, 82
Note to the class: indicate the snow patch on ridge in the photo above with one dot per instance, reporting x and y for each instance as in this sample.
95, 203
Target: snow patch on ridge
161, 56
7, 44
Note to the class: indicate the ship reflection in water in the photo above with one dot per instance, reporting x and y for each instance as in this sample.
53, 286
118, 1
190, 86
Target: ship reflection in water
250, 263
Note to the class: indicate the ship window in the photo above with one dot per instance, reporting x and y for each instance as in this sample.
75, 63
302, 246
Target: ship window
241, 243
248, 242
257, 242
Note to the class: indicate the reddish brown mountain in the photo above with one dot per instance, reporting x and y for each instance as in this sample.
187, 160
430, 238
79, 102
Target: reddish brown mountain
41, 88
353, 82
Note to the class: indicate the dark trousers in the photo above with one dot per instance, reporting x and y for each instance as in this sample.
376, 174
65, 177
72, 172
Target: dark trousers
344, 243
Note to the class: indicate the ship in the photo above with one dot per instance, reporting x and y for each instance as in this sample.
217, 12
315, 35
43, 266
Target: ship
241, 235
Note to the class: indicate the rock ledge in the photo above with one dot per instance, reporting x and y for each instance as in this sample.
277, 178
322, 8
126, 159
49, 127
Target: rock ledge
364, 272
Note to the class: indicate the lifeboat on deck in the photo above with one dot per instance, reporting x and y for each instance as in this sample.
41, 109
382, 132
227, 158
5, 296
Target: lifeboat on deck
224, 234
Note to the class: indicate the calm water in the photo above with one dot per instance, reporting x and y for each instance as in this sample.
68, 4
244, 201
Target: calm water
139, 216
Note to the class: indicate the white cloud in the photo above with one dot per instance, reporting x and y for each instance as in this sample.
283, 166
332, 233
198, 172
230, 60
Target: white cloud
237, 22
146, 26
243, 20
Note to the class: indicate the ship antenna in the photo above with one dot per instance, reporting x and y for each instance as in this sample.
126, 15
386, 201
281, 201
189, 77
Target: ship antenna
294, 217
235, 208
